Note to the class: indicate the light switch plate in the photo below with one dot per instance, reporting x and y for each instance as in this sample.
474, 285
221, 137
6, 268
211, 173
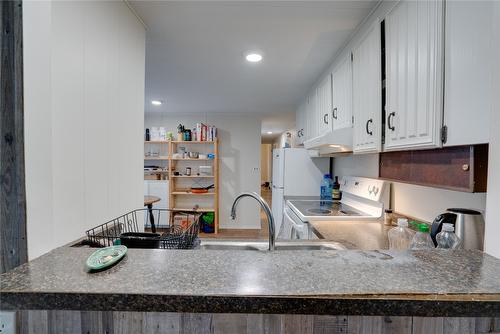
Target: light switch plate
7, 322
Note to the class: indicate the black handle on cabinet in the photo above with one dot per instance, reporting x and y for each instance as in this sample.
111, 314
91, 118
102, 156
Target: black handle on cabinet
298, 134
325, 118
367, 125
334, 113
389, 118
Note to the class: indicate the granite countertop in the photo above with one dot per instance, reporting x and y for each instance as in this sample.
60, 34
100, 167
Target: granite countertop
422, 283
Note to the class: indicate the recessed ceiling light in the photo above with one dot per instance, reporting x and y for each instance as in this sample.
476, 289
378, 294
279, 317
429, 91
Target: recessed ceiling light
269, 132
253, 57
156, 102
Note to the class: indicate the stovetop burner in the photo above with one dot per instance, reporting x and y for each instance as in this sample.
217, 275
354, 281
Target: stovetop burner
319, 211
310, 208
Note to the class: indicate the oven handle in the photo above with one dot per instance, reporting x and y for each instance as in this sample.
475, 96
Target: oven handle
296, 227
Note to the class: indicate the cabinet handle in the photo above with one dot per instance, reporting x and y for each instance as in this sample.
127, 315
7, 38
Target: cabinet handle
389, 124
334, 113
298, 133
325, 118
367, 125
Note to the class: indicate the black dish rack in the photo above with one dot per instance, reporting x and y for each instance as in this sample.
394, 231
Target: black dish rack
125, 228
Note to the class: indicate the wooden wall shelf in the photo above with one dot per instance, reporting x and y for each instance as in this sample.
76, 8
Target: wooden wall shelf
179, 195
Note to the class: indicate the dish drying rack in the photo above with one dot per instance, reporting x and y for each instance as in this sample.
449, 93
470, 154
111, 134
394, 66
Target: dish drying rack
174, 237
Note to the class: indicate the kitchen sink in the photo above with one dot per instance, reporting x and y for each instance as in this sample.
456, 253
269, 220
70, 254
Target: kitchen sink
263, 245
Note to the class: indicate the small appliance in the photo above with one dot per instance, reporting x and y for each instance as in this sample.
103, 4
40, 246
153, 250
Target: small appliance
469, 226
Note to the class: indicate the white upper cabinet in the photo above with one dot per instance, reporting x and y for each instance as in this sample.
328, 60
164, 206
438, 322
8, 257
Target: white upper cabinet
414, 75
324, 105
468, 61
301, 123
366, 92
342, 95
312, 116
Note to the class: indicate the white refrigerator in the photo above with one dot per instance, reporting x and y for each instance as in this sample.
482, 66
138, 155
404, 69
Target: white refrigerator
295, 173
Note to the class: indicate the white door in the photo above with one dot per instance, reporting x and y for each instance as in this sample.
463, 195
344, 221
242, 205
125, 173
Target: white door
278, 167
303, 175
366, 76
414, 51
324, 105
342, 95
468, 60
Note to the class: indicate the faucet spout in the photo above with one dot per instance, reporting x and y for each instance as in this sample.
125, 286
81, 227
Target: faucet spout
267, 210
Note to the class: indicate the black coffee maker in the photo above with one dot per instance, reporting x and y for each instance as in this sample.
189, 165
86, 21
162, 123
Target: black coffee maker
437, 224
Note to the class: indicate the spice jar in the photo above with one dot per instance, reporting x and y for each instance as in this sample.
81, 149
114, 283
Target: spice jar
188, 171
388, 217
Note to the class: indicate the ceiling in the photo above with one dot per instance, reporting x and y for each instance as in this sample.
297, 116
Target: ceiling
195, 52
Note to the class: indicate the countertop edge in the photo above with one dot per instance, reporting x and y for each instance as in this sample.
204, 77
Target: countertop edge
374, 305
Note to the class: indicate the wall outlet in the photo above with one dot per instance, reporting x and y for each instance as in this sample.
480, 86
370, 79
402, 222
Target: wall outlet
7, 322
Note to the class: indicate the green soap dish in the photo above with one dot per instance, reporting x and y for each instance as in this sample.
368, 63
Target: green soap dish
105, 257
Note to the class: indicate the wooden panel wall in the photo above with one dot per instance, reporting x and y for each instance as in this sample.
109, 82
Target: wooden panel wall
443, 168
45, 322
13, 246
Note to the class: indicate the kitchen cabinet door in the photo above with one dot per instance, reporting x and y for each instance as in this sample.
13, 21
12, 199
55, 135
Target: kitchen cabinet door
312, 116
324, 106
366, 102
468, 61
414, 51
301, 123
342, 95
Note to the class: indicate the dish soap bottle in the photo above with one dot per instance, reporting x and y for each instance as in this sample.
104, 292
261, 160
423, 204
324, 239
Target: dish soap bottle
336, 193
326, 189
447, 237
401, 236
422, 239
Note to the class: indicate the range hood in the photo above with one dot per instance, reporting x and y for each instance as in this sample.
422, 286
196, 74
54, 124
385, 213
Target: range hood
331, 144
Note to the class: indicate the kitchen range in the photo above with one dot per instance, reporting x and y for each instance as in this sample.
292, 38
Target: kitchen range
363, 199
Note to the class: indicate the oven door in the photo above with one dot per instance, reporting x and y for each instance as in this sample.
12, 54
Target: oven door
293, 227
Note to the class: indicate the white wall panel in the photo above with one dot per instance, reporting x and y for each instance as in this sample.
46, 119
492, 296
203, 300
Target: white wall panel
89, 121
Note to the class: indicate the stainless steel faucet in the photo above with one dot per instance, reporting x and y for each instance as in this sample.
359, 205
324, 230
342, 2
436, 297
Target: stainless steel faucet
265, 207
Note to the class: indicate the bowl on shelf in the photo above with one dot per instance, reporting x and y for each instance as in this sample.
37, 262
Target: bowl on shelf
202, 156
193, 155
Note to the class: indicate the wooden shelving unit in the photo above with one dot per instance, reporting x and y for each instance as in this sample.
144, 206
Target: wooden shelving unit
184, 195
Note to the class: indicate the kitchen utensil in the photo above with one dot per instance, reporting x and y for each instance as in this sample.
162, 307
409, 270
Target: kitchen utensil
193, 155
201, 190
469, 226
105, 257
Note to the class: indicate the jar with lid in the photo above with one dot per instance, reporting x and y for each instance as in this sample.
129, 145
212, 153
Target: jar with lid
388, 217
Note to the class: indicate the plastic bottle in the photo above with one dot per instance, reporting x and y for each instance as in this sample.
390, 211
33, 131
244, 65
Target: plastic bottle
447, 237
326, 188
422, 239
401, 236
